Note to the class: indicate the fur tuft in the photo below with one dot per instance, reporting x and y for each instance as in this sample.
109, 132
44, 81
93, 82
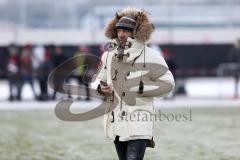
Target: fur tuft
143, 29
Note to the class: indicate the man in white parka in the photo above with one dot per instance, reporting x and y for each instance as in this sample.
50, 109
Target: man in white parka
135, 74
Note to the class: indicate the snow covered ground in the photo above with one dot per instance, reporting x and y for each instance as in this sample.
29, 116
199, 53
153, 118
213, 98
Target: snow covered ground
213, 134
31, 130
200, 92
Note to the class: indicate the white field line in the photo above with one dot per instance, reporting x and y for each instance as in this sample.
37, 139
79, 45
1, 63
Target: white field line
158, 103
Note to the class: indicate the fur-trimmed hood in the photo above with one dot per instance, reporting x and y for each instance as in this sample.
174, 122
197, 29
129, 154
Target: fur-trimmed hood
143, 29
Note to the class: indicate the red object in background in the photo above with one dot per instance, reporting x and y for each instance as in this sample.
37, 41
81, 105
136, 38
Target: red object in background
13, 59
166, 52
28, 46
47, 54
83, 48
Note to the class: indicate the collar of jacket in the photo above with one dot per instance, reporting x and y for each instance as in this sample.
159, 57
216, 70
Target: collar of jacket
135, 50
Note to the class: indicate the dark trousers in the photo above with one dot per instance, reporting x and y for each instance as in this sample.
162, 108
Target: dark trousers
43, 88
85, 83
130, 150
14, 89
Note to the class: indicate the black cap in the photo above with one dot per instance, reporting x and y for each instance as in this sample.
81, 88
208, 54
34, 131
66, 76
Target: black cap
126, 22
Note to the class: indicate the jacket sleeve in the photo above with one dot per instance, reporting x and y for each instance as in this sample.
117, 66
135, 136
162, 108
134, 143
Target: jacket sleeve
163, 84
158, 87
101, 72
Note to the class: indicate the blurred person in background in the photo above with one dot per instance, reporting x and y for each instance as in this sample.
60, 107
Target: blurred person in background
172, 67
37, 56
129, 31
57, 59
26, 68
43, 72
37, 60
82, 78
234, 57
13, 73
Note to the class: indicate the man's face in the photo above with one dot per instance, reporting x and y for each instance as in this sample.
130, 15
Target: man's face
123, 35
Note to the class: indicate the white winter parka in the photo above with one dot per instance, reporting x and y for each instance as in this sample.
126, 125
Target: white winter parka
134, 115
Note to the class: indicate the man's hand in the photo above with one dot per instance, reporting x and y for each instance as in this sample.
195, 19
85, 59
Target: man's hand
106, 89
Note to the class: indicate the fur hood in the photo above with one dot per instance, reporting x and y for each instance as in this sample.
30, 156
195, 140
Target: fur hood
143, 29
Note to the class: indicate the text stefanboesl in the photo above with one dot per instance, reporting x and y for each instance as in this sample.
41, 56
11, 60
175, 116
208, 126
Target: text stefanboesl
143, 115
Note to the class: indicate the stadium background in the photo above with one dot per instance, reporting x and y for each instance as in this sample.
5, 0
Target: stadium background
198, 34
